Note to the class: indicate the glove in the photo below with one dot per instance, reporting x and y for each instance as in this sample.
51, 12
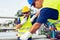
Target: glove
32, 19
26, 36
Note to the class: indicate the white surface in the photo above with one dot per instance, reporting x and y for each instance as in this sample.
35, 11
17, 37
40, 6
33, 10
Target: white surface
12, 36
6, 28
39, 36
41, 39
8, 35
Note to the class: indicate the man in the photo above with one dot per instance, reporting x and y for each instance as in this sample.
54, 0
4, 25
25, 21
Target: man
25, 22
50, 10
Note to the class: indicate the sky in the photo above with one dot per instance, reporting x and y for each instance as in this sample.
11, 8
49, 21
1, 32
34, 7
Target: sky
9, 8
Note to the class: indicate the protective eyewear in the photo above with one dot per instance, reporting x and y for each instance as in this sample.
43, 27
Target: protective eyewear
25, 12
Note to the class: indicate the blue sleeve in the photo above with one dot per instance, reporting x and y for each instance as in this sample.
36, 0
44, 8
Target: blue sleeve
18, 21
41, 19
47, 13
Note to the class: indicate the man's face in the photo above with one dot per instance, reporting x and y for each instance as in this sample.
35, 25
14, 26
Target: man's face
26, 14
38, 3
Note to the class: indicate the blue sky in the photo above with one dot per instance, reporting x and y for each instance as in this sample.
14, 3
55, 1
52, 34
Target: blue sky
10, 7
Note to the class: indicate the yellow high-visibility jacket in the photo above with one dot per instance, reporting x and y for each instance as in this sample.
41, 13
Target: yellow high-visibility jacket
25, 27
53, 4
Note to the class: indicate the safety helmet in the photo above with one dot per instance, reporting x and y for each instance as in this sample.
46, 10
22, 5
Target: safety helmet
25, 9
31, 2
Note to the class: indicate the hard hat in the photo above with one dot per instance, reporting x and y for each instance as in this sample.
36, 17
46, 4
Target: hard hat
31, 2
25, 9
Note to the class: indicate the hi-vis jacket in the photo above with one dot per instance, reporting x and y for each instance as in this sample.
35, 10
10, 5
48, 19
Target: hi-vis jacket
56, 5
25, 27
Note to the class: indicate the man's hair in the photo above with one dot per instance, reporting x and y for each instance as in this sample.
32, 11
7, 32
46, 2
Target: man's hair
33, 3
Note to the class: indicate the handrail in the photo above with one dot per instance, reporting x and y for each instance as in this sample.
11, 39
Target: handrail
9, 17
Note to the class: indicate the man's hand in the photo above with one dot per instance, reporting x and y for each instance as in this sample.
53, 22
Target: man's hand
26, 36
18, 26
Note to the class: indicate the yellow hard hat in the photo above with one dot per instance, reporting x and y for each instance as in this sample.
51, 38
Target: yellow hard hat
25, 9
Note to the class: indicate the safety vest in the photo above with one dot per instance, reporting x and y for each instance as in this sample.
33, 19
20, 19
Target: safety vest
25, 27
56, 5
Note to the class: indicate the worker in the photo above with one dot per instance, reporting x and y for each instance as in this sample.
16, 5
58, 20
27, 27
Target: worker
25, 22
50, 10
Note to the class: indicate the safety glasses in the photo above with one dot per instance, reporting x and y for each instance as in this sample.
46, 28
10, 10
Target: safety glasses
25, 12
